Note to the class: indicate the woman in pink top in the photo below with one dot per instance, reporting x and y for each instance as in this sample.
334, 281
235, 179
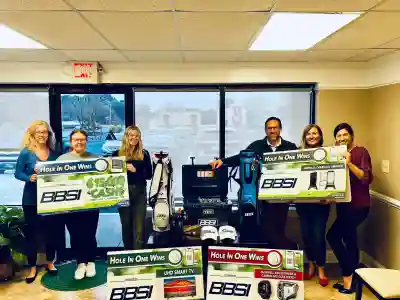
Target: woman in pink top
342, 236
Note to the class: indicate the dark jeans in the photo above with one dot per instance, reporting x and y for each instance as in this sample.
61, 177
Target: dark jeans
342, 236
274, 216
49, 228
313, 219
82, 227
133, 218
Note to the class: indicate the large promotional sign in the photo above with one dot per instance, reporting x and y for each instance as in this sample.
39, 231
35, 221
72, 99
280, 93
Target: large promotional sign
244, 273
168, 273
64, 186
307, 175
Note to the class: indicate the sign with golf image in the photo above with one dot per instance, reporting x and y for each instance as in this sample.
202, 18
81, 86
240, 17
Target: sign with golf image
306, 175
64, 186
167, 273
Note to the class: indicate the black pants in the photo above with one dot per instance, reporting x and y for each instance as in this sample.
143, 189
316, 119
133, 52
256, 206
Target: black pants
133, 218
49, 228
274, 216
82, 227
342, 236
313, 219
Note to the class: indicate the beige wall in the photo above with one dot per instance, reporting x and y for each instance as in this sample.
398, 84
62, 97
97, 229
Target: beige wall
375, 115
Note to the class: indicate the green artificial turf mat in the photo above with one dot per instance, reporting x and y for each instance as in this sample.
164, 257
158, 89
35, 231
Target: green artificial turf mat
64, 280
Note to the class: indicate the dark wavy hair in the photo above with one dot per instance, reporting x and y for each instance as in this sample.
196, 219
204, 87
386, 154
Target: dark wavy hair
345, 126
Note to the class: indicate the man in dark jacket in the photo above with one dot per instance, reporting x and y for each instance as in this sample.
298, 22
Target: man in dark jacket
274, 215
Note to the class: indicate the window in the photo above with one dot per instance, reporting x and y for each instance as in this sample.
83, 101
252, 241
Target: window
18, 110
102, 116
246, 112
184, 123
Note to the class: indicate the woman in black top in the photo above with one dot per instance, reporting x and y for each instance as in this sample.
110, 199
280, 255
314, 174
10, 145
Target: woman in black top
140, 170
313, 217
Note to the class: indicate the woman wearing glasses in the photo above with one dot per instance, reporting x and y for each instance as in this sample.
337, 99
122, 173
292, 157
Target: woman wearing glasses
82, 225
38, 146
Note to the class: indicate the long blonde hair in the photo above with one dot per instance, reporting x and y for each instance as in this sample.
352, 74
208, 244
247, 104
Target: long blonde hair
303, 144
28, 140
136, 152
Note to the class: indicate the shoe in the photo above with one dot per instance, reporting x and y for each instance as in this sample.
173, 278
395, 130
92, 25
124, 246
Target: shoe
31, 279
338, 286
308, 276
346, 291
91, 269
80, 271
52, 270
323, 282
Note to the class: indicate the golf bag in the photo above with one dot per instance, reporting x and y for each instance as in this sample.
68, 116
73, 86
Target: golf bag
249, 171
160, 198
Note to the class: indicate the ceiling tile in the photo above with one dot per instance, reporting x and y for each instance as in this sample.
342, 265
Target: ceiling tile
154, 56
137, 31
298, 56
269, 56
33, 5
122, 5
32, 55
95, 55
58, 30
223, 5
371, 54
325, 5
369, 31
393, 44
389, 5
212, 56
327, 55
219, 31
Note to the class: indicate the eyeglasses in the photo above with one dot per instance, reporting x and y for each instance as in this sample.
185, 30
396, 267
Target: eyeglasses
43, 133
79, 140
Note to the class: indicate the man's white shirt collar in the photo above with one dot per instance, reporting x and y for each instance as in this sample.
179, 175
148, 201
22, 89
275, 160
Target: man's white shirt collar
276, 146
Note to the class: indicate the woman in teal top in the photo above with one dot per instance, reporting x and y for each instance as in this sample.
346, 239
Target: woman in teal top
38, 146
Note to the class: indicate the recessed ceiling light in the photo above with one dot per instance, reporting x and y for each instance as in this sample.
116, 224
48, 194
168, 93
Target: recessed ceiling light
10, 39
299, 31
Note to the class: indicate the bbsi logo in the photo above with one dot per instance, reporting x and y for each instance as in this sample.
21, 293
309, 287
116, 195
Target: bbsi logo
60, 196
208, 222
205, 174
279, 183
229, 289
208, 211
131, 293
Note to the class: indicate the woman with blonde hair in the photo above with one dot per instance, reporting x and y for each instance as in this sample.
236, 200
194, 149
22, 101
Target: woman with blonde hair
314, 217
140, 170
37, 146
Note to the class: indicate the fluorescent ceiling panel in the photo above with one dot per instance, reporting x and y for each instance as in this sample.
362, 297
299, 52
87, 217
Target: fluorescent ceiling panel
10, 39
299, 31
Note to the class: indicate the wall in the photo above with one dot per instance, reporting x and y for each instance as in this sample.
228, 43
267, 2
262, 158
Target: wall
329, 75
379, 235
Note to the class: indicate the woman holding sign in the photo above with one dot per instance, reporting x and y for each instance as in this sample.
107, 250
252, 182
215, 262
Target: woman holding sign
342, 236
313, 217
38, 146
82, 225
140, 169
